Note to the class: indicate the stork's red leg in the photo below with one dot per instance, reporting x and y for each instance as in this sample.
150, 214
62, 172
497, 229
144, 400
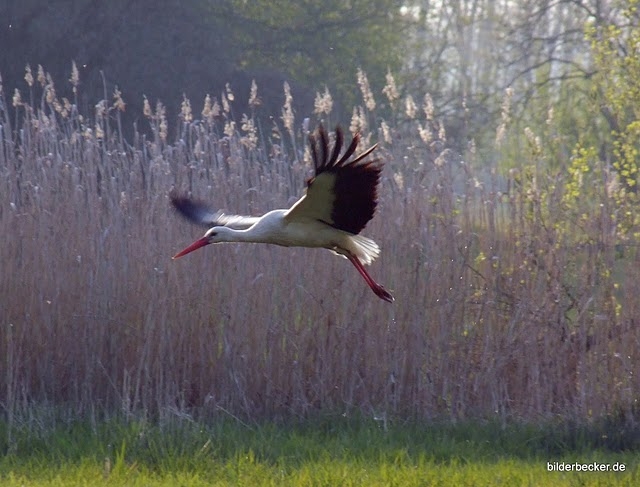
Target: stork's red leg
380, 291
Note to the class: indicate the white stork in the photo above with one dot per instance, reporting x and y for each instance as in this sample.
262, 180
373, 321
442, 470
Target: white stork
338, 203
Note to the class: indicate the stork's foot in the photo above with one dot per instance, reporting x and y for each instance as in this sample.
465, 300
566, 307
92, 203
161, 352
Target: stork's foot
382, 293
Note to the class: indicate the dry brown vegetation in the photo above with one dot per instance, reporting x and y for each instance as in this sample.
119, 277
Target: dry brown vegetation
499, 310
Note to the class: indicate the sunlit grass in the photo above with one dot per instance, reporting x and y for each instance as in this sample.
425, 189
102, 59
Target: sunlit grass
327, 452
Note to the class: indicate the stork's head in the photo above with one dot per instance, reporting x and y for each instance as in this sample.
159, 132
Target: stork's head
213, 235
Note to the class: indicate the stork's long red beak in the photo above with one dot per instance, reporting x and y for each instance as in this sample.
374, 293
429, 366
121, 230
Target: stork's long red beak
194, 246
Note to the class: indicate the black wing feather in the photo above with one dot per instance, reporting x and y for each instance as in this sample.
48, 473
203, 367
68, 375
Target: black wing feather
204, 215
195, 211
356, 181
336, 148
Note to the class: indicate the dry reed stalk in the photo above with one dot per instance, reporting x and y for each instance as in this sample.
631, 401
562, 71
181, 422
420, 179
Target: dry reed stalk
495, 313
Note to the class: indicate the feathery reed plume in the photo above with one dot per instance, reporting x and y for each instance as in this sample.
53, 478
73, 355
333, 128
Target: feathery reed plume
185, 110
287, 109
427, 106
250, 139
17, 98
323, 103
211, 110
386, 132
254, 100
226, 107
118, 102
425, 133
50, 90
229, 92
146, 107
365, 88
100, 114
411, 110
390, 89
358, 121
229, 128
75, 77
28, 76
42, 78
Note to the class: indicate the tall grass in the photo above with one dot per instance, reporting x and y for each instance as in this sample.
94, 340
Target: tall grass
498, 312
329, 451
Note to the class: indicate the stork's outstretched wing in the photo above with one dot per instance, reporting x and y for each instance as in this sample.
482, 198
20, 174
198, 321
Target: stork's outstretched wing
343, 193
202, 214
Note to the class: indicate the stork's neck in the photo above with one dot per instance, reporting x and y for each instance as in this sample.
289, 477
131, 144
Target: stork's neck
264, 230
251, 234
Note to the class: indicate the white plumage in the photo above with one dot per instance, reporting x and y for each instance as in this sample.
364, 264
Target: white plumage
338, 203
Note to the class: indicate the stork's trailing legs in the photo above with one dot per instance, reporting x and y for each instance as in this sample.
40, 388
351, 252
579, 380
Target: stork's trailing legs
380, 291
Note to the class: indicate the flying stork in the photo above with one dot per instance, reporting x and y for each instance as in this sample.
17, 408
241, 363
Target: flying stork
338, 203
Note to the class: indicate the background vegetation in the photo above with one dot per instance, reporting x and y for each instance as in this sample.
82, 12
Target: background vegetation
162, 49
507, 217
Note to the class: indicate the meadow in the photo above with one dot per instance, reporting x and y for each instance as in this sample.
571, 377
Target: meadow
324, 451
509, 309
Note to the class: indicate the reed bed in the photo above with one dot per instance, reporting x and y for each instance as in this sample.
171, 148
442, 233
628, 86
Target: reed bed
498, 312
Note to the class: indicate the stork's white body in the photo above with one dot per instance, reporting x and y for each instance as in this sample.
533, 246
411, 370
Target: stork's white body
338, 203
275, 228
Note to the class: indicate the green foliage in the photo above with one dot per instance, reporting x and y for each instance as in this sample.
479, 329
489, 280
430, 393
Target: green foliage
573, 170
322, 42
581, 164
617, 87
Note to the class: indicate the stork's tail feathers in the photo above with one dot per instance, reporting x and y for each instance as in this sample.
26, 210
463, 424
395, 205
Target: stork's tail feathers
364, 248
